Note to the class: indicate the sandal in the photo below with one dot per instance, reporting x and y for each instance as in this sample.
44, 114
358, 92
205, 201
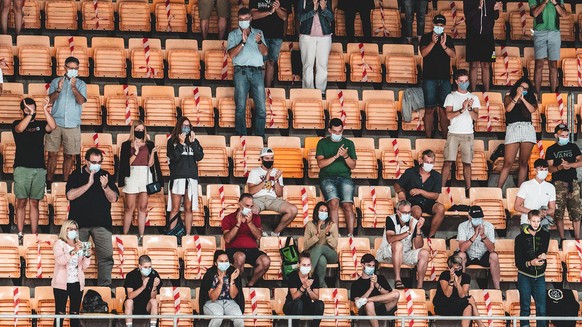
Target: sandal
398, 285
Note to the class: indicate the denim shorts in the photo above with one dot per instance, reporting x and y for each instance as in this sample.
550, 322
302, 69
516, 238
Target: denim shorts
435, 92
274, 46
338, 188
547, 45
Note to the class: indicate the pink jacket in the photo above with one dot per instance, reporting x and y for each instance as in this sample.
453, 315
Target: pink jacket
62, 258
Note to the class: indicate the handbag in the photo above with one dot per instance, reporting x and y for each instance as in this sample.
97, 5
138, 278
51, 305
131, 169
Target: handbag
289, 257
93, 303
156, 186
178, 230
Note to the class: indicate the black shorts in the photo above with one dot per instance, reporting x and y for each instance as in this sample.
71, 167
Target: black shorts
251, 254
483, 261
139, 307
380, 309
425, 206
479, 47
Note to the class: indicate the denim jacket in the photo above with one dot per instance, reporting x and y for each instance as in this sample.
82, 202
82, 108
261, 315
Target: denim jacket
305, 13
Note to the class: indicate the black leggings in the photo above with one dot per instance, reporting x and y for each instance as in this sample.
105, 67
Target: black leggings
74, 293
350, 19
299, 307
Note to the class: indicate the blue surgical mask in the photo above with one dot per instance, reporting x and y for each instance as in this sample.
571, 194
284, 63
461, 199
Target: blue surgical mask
72, 234
405, 217
185, 129
438, 30
145, 271
524, 93
244, 24
563, 140
94, 167
245, 211
335, 137
72, 73
477, 221
322, 215
305, 270
464, 86
369, 270
223, 266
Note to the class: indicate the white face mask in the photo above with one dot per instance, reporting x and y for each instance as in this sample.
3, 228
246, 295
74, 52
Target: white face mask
336, 137
438, 30
145, 271
223, 266
542, 174
72, 73
405, 218
369, 270
322, 215
244, 24
427, 167
477, 221
304, 270
245, 211
72, 234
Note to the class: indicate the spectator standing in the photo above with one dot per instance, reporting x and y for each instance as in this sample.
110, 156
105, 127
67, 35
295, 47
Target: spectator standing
16, 6
437, 49
242, 230
303, 296
547, 39
462, 109
402, 243
67, 94
412, 8
452, 297
315, 30
476, 239
29, 168
71, 261
336, 157
421, 187
138, 164
536, 194
531, 247
480, 17
184, 152
270, 17
520, 136
142, 285
246, 47
205, 10
320, 240
265, 183
221, 291
372, 293
90, 191
364, 8
563, 159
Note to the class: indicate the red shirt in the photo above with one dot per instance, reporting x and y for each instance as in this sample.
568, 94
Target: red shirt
244, 239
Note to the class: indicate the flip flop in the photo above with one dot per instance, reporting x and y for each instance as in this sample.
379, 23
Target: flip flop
398, 285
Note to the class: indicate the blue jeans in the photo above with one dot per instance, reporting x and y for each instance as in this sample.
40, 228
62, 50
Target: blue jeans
415, 6
529, 287
338, 188
249, 79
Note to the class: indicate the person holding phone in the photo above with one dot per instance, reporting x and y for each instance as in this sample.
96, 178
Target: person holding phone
303, 296
138, 164
184, 151
452, 297
531, 247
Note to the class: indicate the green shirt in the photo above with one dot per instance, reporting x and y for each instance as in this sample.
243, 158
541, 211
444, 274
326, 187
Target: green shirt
328, 148
548, 16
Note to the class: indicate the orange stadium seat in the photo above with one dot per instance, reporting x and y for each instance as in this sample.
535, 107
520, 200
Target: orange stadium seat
491, 201
60, 15
567, 29
31, 13
497, 165
117, 103
215, 162
6, 55
271, 245
309, 155
519, 30
336, 303
103, 141
92, 115
214, 53
118, 210
156, 211
437, 146
34, 55
416, 122
456, 26
100, 20
554, 114
279, 299
554, 263
171, 17
263, 306
163, 250
570, 67
391, 167
500, 28
288, 155
277, 112
494, 114
44, 304
8, 147
109, 57
75, 46
381, 110
140, 66
10, 99
505, 250
167, 304
218, 208
293, 195
4, 203
336, 65
438, 256
573, 260
253, 146
7, 306
307, 108
43, 209
367, 163
400, 64
386, 22
161, 141
340, 23
59, 202
374, 214
30, 252
159, 105
183, 59
457, 194
10, 265
535, 154
130, 255
201, 114
134, 16
479, 167
367, 69
227, 107
197, 260
349, 110
496, 300
284, 72
503, 75
350, 266
419, 306
510, 195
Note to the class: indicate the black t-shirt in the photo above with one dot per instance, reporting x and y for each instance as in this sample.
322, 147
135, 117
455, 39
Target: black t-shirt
411, 179
437, 64
361, 286
272, 25
92, 209
519, 113
30, 144
293, 281
440, 295
560, 153
134, 281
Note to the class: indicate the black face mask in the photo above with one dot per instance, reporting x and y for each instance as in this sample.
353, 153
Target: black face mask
458, 272
267, 164
139, 134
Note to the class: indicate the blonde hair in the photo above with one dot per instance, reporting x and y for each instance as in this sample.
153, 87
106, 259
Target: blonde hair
135, 124
63, 233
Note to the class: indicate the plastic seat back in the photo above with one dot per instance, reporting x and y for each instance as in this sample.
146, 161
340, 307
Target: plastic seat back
60, 15
163, 250
125, 255
101, 19
34, 55
215, 55
245, 156
198, 255
171, 16
108, 57
307, 108
215, 161
121, 104
288, 155
134, 16
222, 200
381, 110
159, 105
183, 59
344, 104
33, 254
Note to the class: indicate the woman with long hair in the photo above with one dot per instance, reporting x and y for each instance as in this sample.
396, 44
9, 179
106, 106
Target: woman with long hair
184, 152
138, 164
520, 135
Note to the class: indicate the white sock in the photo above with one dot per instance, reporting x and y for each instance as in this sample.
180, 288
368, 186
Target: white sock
128, 324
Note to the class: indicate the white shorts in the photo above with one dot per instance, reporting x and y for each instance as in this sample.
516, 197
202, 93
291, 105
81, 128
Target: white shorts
139, 177
409, 257
520, 132
182, 185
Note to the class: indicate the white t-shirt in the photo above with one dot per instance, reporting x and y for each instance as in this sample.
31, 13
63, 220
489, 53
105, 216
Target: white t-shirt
72, 265
462, 124
257, 175
535, 195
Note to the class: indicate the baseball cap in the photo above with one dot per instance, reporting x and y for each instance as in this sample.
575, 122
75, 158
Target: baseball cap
439, 19
267, 152
367, 258
561, 128
476, 212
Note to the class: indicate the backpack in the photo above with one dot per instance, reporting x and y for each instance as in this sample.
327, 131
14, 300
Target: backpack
93, 303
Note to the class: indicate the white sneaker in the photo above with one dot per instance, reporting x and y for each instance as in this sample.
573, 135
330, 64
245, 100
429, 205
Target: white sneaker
361, 302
